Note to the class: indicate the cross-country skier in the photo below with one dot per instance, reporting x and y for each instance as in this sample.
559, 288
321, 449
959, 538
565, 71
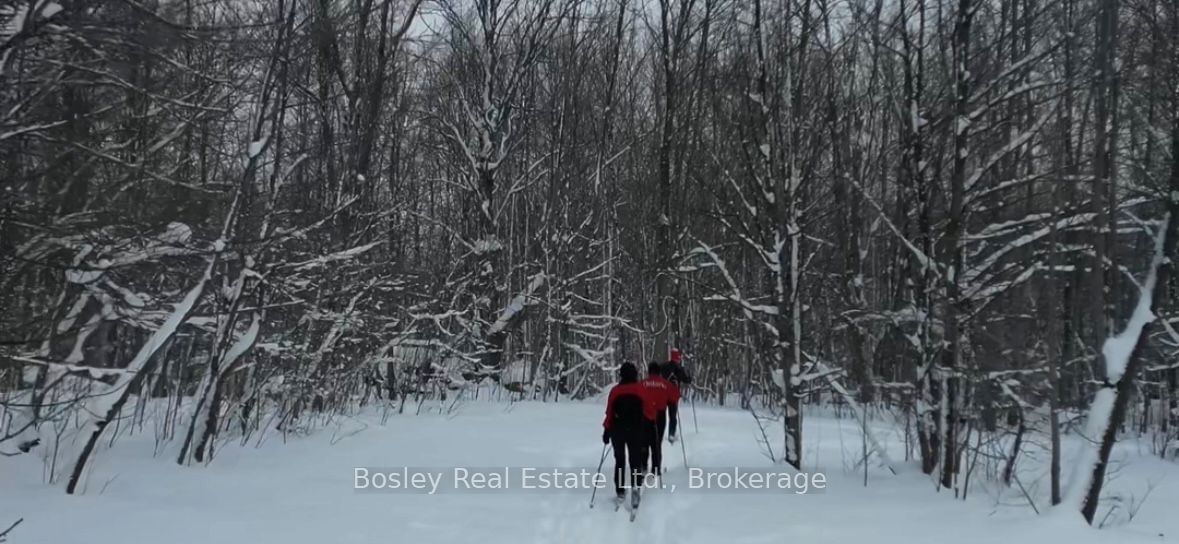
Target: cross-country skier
630, 414
664, 393
675, 373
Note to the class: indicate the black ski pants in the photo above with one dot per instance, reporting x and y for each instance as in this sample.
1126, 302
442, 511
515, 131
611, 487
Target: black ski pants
630, 445
672, 417
657, 431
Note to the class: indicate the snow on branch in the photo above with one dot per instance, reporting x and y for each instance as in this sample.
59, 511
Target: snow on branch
337, 256
1011, 146
243, 344
735, 296
1010, 70
588, 357
103, 402
105, 406
974, 273
90, 372
926, 262
91, 263
1118, 349
517, 305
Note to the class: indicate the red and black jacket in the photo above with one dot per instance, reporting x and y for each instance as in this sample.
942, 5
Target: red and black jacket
630, 406
676, 373
662, 391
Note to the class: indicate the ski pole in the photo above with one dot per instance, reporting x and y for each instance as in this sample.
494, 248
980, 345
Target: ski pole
683, 448
599, 471
695, 423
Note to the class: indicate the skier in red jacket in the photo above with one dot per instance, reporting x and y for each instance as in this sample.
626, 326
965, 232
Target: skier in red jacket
675, 373
664, 394
630, 415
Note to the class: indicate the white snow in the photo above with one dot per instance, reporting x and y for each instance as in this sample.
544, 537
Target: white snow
515, 372
487, 245
337, 256
256, 147
517, 305
300, 490
78, 353
19, 13
962, 125
82, 276
177, 233
1118, 349
776, 376
50, 9
243, 344
1082, 471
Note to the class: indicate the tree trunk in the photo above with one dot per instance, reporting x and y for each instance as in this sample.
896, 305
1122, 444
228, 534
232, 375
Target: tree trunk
1121, 386
952, 360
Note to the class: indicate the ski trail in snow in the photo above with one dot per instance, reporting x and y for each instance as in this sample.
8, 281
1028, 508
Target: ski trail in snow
664, 512
662, 515
569, 518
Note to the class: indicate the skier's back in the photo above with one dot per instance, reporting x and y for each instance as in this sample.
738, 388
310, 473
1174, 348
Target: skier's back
630, 414
675, 373
663, 394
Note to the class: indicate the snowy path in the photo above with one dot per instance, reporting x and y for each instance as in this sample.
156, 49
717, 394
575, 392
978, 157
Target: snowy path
302, 492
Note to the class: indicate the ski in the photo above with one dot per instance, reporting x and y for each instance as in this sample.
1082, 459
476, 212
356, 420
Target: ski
634, 504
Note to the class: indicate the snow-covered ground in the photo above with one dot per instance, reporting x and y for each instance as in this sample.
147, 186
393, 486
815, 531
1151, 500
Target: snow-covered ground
302, 491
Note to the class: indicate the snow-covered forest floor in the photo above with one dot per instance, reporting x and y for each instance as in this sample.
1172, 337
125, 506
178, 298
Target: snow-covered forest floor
301, 492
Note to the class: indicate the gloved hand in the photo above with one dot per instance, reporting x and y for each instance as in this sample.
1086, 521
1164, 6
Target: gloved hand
606, 436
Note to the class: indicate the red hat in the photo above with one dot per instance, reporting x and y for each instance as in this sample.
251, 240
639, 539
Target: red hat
675, 355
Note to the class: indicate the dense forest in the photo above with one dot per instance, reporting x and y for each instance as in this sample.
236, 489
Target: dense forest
241, 215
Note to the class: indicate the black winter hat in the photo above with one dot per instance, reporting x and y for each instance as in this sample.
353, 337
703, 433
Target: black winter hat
628, 373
